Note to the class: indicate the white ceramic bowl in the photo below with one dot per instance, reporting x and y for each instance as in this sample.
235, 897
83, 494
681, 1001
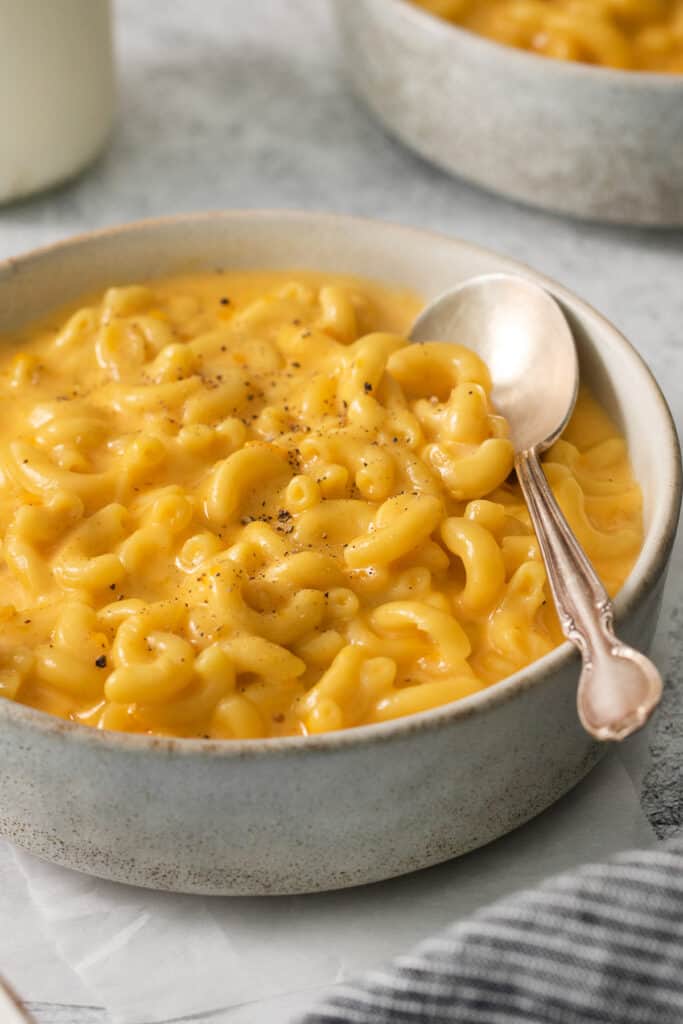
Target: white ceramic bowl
299, 815
587, 141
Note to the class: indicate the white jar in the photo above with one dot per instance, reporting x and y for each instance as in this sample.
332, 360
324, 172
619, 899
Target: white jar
56, 90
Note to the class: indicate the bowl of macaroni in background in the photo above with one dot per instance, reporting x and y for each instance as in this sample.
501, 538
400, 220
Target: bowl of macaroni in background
580, 139
287, 814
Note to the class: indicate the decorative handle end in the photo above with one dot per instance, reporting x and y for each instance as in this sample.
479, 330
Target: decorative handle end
617, 693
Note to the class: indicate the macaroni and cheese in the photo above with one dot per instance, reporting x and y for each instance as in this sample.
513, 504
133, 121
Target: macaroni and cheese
644, 35
237, 505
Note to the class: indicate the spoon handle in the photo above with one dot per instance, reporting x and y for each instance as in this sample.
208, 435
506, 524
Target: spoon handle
619, 687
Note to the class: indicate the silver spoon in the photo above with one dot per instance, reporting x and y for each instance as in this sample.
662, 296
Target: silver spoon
11, 1010
524, 338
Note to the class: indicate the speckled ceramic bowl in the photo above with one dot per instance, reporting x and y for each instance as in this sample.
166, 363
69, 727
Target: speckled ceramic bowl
587, 141
300, 815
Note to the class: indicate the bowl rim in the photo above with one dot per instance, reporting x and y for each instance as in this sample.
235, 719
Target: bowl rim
535, 674
635, 77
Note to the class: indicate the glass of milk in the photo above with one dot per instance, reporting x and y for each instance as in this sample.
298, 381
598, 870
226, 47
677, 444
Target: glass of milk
56, 90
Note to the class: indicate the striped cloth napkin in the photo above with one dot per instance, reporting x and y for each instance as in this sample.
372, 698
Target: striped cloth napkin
601, 945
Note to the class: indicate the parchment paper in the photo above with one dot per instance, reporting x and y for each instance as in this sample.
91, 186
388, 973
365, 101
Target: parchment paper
152, 957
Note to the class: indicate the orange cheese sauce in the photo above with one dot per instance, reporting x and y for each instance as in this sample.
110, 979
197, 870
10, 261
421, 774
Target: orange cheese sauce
640, 35
241, 505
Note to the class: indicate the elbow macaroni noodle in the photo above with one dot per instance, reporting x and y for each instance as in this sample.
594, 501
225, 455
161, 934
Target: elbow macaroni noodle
641, 35
237, 505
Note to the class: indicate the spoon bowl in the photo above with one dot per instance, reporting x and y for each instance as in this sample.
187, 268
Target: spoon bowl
522, 335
